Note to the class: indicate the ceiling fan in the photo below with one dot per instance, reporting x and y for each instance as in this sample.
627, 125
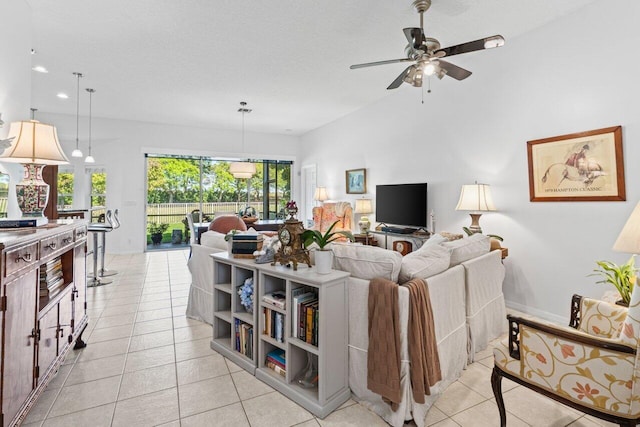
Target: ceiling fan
427, 54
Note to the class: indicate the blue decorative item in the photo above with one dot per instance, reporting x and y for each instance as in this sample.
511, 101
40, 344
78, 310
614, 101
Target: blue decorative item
246, 294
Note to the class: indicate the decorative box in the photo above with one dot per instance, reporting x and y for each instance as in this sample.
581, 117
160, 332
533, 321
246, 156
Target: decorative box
244, 245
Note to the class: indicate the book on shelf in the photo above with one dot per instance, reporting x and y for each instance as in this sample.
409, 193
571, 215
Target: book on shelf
279, 330
302, 321
276, 368
277, 299
278, 355
298, 296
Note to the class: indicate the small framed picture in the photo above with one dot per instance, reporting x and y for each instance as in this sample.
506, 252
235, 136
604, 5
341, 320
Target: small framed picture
356, 181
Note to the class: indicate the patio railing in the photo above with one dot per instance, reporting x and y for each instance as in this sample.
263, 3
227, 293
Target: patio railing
175, 212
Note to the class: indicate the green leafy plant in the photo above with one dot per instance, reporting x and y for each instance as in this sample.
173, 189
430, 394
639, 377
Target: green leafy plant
314, 236
157, 228
622, 277
471, 233
230, 234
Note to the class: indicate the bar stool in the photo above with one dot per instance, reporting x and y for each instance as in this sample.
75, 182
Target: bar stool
98, 228
115, 224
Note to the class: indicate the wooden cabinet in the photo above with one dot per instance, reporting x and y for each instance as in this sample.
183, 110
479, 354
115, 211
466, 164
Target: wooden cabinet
38, 323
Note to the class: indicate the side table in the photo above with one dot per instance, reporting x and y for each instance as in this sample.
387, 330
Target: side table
366, 239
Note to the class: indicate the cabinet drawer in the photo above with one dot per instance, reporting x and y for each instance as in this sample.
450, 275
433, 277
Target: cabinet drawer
55, 243
81, 233
17, 259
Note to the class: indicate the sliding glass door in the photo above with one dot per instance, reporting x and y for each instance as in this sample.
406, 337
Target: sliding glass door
181, 185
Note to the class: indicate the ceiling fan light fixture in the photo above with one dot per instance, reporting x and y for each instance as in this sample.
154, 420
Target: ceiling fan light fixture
430, 68
493, 41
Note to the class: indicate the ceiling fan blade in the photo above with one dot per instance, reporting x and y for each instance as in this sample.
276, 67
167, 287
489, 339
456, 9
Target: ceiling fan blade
454, 71
415, 36
400, 79
485, 43
372, 64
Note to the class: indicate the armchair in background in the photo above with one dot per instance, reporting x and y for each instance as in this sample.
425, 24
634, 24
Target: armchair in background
328, 213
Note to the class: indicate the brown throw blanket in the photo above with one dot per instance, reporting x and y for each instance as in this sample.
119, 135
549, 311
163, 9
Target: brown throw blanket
423, 349
383, 357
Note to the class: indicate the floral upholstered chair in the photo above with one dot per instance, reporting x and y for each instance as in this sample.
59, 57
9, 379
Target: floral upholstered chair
592, 365
328, 213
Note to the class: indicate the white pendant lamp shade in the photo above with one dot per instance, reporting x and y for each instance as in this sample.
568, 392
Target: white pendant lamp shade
89, 158
242, 170
77, 152
34, 142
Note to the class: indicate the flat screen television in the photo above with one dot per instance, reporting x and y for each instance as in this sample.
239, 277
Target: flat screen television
402, 204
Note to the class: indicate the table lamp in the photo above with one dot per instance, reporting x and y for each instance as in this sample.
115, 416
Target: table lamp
35, 145
477, 199
364, 207
629, 239
320, 194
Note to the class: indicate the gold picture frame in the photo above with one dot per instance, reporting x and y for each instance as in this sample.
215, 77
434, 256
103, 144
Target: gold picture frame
356, 181
579, 167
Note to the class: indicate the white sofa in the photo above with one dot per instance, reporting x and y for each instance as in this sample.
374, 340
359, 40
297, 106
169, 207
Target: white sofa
200, 302
465, 288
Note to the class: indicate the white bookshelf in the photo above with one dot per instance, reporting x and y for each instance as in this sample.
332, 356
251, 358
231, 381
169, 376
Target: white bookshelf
228, 275
330, 355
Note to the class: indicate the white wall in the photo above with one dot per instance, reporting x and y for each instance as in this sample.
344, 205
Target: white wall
575, 74
15, 79
119, 146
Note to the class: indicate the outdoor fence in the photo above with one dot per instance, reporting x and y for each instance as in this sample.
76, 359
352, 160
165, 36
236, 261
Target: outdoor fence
170, 213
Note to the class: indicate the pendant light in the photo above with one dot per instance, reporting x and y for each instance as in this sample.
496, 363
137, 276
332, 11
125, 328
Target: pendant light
89, 158
243, 170
77, 152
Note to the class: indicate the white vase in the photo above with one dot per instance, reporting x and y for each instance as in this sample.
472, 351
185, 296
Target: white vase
324, 261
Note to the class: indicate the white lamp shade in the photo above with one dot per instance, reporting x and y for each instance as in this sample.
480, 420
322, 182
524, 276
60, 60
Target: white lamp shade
364, 206
475, 197
320, 194
34, 142
629, 239
242, 170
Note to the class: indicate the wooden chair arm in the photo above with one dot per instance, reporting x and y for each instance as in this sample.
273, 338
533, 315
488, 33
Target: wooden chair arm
567, 333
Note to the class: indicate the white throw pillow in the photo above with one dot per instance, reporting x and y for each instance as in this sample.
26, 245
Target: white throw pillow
213, 239
465, 249
425, 262
366, 262
435, 239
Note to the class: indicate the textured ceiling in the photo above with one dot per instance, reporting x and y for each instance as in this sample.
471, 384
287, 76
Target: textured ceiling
191, 62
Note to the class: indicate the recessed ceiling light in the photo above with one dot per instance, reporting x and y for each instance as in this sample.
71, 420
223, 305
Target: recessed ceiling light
40, 69
288, 130
62, 95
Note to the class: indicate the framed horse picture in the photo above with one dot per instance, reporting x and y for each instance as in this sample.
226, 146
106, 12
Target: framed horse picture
580, 167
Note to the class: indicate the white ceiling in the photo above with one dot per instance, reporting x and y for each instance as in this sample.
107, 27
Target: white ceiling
191, 62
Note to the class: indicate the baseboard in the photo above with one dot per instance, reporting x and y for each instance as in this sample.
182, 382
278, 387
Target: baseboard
537, 313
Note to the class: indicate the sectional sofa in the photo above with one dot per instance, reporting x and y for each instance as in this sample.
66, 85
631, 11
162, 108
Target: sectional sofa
465, 286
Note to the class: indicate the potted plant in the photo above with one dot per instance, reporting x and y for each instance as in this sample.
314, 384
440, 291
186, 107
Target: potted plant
156, 231
622, 277
324, 256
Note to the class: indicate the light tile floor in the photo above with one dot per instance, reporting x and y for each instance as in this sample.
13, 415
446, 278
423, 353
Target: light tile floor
147, 364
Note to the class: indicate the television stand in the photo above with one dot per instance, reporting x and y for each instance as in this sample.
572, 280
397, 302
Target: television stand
398, 230
416, 237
